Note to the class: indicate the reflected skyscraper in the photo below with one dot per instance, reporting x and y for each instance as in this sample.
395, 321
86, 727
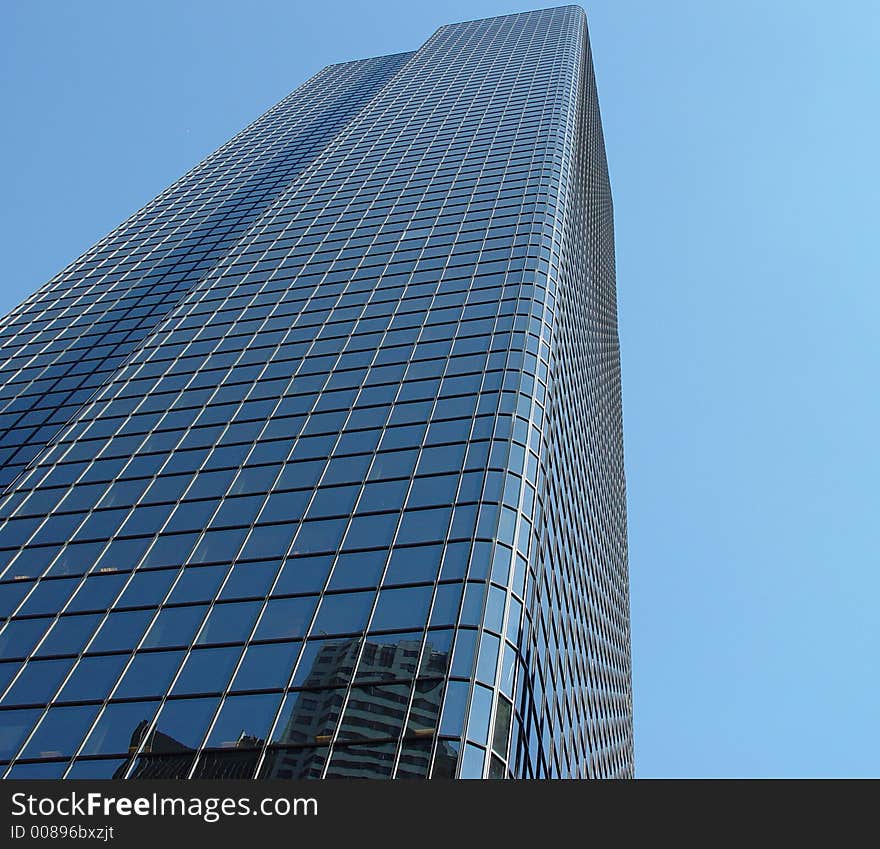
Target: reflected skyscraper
314, 466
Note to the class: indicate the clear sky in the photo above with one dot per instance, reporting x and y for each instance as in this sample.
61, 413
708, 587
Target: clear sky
743, 141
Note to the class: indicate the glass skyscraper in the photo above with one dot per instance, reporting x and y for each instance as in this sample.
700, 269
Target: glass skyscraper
314, 466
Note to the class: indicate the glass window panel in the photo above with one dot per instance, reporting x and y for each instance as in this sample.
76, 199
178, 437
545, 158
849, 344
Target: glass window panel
268, 541
393, 464
333, 501
285, 506
374, 712
145, 520
93, 678
37, 683
15, 727
119, 728
21, 635
480, 713
502, 727
425, 710
175, 626
149, 674
97, 592
182, 724
343, 613
169, 550
389, 656
218, 545
249, 580
319, 536
266, 666
357, 569
207, 670
210, 484
373, 531
508, 670
301, 762
198, 584
423, 526
446, 604
326, 662
76, 558
165, 488
8, 670
49, 596
97, 769
383, 495
415, 759
455, 561
439, 459
472, 607
494, 616
303, 575
456, 430
37, 770
100, 525
147, 588
402, 608
501, 564
60, 732
308, 716
436, 653
487, 661
123, 554
302, 475
254, 479
472, 762
121, 630
234, 512
471, 486
31, 563
11, 595
229, 622
496, 768
244, 721
435, 490
69, 634
463, 656
403, 436
412, 412
454, 706
413, 565
226, 763
286, 618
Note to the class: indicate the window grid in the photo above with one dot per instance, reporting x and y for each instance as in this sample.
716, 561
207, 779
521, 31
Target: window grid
359, 488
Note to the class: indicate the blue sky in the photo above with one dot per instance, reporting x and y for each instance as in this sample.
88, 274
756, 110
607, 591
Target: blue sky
742, 141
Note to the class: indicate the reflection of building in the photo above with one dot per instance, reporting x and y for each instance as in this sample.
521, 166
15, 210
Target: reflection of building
356, 373
372, 713
161, 756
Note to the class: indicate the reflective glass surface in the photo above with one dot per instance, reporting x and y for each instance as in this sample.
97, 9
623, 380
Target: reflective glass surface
314, 467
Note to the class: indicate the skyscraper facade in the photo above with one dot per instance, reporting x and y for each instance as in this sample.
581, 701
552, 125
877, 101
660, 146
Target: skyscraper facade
314, 466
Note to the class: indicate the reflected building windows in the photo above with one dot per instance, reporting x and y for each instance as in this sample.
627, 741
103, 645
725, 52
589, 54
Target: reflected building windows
330, 476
